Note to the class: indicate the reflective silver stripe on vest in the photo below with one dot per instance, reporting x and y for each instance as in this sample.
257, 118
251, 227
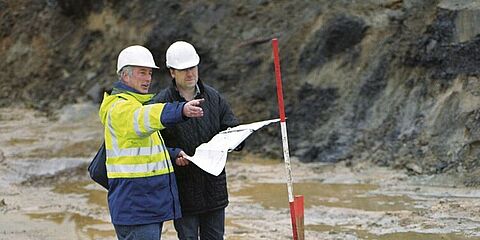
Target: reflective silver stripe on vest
146, 119
146, 122
135, 123
110, 127
138, 168
131, 152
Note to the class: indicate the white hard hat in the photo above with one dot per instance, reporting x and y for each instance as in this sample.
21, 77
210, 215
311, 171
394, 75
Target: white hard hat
135, 56
181, 55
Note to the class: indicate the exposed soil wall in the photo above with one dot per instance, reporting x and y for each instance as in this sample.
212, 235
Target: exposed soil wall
394, 82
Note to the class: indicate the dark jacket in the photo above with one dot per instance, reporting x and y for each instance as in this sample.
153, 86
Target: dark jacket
199, 191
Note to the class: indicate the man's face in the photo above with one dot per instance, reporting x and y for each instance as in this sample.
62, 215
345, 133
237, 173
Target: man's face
186, 78
140, 79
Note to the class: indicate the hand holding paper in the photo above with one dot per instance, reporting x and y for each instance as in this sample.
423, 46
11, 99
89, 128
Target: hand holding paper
212, 156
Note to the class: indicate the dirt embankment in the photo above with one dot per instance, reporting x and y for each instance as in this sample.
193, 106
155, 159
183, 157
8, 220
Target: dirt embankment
393, 81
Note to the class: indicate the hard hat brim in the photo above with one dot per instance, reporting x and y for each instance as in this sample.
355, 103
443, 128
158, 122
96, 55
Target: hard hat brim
156, 67
185, 65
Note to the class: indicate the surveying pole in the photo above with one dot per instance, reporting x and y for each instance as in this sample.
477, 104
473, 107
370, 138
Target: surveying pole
296, 204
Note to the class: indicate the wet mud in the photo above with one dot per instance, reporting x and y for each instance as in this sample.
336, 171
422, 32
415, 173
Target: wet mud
45, 192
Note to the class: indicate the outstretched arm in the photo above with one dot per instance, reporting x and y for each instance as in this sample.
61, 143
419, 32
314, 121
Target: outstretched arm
176, 112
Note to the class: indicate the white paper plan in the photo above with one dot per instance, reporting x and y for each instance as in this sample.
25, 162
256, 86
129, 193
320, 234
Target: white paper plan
212, 156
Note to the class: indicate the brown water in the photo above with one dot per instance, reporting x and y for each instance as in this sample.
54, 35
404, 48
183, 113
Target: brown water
85, 227
273, 197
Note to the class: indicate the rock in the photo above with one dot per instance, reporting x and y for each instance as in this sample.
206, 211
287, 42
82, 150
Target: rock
414, 167
339, 34
467, 18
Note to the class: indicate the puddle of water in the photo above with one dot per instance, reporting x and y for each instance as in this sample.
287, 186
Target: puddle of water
85, 227
355, 196
88, 227
94, 196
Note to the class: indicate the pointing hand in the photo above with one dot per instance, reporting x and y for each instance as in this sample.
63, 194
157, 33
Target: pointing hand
192, 108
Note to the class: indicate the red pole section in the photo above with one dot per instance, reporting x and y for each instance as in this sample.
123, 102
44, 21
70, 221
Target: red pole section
293, 219
299, 212
278, 76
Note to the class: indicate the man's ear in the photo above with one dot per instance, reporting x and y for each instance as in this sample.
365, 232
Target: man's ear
172, 72
124, 76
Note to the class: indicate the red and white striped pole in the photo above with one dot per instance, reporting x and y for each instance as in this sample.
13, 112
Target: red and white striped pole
296, 204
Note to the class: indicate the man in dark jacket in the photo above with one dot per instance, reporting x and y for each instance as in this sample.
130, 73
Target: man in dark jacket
203, 197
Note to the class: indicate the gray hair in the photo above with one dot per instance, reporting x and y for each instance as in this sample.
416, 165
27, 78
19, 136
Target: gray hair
127, 69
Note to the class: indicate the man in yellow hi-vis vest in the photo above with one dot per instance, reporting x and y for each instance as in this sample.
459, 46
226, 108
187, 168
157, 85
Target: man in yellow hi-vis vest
142, 190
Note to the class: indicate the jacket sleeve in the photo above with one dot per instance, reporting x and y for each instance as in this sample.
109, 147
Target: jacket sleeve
172, 114
133, 120
173, 152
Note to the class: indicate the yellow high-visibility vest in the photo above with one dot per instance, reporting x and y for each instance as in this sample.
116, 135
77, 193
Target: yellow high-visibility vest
134, 147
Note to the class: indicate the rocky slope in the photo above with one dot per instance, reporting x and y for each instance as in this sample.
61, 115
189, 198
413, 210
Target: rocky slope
394, 81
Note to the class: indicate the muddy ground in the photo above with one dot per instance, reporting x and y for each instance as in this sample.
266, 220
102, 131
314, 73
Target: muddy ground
45, 192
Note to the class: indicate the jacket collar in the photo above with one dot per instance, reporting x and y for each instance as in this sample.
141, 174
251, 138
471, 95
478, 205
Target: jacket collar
119, 87
199, 89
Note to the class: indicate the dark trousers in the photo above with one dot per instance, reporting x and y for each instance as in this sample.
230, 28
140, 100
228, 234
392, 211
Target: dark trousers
139, 232
209, 225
